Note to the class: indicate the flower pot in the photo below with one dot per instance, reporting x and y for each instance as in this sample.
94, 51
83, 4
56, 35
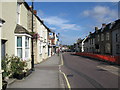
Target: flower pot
4, 85
18, 76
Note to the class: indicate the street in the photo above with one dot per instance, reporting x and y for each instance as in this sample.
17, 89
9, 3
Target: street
87, 73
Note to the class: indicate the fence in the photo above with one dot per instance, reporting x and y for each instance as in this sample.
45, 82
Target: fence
110, 58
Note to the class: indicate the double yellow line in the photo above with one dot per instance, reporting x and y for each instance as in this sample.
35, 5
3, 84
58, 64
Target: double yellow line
62, 63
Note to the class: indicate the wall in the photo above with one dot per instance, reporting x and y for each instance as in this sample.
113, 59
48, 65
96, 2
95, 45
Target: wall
9, 14
23, 16
114, 43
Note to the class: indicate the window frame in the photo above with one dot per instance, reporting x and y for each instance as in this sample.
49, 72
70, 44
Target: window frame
23, 46
107, 36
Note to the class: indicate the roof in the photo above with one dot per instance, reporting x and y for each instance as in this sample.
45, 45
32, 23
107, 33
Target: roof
20, 30
114, 24
92, 35
1, 20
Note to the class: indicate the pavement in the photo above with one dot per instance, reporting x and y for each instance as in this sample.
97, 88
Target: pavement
46, 75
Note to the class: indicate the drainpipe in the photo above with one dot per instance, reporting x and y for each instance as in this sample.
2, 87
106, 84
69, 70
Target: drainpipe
32, 53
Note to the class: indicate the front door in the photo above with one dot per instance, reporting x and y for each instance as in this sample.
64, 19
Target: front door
3, 49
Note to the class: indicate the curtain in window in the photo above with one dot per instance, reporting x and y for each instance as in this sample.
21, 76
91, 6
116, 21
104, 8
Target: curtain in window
19, 41
19, 52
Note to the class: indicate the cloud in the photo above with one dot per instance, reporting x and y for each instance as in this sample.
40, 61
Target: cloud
101, 14
61, 23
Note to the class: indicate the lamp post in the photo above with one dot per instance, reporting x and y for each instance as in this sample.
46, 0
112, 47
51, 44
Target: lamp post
32, 53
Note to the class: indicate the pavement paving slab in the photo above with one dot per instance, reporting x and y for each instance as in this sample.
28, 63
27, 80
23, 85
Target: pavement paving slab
46, 75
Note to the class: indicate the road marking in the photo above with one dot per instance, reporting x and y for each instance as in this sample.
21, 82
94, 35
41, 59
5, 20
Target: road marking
62, 63
111, 69
68, 84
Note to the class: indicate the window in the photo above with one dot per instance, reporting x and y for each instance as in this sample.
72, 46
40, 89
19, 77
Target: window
98, 37
117, 49
107, 36
117, 37
23, 47
102, 37
27, 47
92, 41
107, 48
19, 47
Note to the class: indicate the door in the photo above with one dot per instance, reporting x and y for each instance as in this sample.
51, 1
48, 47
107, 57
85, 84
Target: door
3, 49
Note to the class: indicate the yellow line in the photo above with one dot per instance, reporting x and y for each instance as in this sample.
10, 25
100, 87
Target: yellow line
62, 63
68, 84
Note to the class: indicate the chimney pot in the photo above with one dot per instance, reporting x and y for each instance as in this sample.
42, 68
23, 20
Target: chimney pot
90, 32
96, 28
103, 25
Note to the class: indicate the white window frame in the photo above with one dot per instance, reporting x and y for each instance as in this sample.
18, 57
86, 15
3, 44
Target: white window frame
23, 45
102, 37
20, 46
107, 36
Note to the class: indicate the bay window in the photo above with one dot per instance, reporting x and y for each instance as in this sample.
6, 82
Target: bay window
23, 46
19, 47
27, 47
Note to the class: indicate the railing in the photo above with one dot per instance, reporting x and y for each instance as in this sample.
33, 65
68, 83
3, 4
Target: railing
110, 58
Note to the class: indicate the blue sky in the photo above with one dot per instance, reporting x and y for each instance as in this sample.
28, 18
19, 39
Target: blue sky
75, 20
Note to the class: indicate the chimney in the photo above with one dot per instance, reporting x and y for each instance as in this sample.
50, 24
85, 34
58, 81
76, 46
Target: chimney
35, 12
96, 28
30, 7
90, 32
103, 25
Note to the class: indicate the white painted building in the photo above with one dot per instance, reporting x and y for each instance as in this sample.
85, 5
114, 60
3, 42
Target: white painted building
83, 44
16, 39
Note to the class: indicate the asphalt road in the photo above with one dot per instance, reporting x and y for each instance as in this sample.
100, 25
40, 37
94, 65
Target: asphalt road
88, 73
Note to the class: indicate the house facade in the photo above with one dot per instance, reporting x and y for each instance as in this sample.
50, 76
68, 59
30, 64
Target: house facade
1, 23
84, 44
116, 38
104, 41
16, 39
91, 43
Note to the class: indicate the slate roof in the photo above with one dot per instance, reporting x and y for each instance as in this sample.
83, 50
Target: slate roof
20, 30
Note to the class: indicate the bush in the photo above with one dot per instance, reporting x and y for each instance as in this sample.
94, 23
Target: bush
17, 65
5, 67
13, 65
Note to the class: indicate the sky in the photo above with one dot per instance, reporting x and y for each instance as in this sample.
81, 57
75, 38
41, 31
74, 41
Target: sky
75, 20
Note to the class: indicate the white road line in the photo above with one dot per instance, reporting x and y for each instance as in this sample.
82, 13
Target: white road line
111, 69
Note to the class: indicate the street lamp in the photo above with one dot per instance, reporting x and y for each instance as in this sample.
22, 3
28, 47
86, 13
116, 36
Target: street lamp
32, 53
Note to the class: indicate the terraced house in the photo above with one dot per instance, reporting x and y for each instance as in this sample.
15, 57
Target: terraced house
17, 33
104, 41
